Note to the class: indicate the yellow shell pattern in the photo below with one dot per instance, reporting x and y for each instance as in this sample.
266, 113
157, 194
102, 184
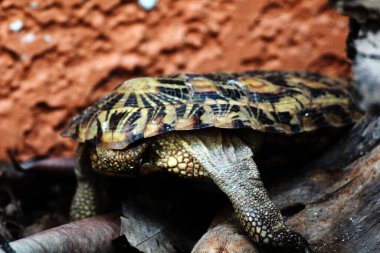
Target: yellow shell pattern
285, 102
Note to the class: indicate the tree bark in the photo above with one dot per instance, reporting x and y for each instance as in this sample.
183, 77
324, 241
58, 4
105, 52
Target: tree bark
334, 201
363, 48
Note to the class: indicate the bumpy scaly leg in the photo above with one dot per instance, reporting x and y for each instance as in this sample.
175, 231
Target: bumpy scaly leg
169, 155
228, 162
88, 196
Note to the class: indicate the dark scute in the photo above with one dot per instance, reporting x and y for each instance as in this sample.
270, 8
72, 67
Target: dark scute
338, 111
132, 119
283, 117
220, 109
235, 108
260, 115
180, 111
255, 97
219, 77
112, 100
155, 100
131, 100
237, 123
171, 81
157, 113
232, 93
315, 115
265, 97
196, 116
277, 79
314, 92
145, 102
320, 92
150, 114
114, 120
179, 93
321, 122
202, 96
193, 108
99, 133
198, 112
273, 98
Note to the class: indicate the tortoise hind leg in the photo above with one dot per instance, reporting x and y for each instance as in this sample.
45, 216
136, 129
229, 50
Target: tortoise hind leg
228, 162
88, 195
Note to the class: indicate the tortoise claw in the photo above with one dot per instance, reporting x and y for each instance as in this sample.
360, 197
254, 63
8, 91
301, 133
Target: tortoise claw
291, 240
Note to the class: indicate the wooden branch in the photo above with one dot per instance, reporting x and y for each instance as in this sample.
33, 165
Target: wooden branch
341, 205
333, 202
94, 234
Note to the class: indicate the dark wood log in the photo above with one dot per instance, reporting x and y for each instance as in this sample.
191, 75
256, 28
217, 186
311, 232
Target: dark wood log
340, 204
363, 47
334, 201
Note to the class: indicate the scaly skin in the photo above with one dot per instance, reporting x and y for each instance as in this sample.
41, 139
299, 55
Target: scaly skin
118, 162
214, 154
88, 198
228, 162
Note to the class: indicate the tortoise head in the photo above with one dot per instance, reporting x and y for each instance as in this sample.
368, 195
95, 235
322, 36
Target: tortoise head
118, 162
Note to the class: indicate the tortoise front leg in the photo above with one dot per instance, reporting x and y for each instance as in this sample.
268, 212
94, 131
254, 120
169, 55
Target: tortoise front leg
259, 216
228, 162
87, 198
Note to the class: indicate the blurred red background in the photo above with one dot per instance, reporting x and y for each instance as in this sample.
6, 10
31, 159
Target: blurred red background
57, 57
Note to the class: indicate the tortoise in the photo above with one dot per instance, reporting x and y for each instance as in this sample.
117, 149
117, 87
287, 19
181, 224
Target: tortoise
209, 126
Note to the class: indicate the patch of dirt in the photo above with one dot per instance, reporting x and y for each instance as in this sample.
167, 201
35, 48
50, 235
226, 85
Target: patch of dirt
58, 57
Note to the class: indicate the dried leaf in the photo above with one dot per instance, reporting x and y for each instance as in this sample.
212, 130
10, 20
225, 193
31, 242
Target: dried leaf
146, 227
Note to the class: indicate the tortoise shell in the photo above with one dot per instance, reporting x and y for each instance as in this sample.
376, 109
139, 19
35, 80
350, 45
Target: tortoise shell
268, 101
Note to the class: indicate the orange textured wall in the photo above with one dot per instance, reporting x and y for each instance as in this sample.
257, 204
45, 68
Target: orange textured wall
56, 57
